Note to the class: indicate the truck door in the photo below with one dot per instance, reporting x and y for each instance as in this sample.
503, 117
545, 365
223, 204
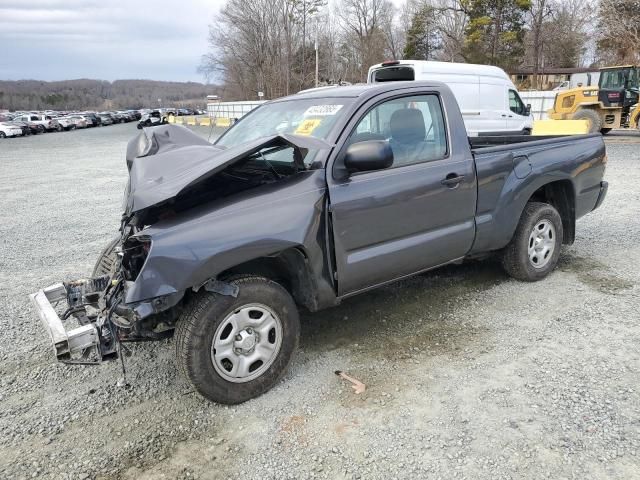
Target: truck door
518, 115
416, 214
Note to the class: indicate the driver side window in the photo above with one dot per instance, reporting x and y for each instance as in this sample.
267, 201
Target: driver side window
515, 104
414, 127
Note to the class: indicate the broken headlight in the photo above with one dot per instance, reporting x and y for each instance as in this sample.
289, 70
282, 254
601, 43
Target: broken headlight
134, 253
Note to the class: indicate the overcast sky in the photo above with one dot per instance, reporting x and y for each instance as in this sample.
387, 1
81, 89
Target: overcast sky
106, 39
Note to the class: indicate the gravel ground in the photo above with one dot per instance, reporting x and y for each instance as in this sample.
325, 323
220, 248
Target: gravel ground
469, 374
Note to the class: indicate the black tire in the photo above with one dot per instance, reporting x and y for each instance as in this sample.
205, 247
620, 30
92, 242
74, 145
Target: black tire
107, 261
59, 128
3, 135
41, 128
604, 131
595, 122
515, 258
197, 327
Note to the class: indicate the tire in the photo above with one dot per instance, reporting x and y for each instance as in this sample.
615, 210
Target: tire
604, 131
41, 128
59, 128
205, 318
3, 135
107, 261
516, 258
595, 122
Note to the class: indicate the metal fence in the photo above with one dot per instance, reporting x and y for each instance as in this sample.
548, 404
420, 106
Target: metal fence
540, 102
231, 110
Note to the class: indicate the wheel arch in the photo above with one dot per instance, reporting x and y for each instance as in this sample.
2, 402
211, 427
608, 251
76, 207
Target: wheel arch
562, 196
290, 268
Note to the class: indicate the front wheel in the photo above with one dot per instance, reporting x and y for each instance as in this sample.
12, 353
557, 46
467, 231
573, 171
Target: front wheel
535, 247
3, 135
233, 349
108, 259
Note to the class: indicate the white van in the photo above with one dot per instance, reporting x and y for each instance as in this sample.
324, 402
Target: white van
489, 101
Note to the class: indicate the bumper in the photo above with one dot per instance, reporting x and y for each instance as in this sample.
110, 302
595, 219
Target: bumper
65, 342
604, 186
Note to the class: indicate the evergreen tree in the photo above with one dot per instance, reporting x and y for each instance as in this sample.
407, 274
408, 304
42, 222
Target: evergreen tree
495, 33
423, 38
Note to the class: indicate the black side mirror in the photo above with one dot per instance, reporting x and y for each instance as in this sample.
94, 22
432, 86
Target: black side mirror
368, 155
527, 110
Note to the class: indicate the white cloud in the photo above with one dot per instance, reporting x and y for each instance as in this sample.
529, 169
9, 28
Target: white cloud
54, 39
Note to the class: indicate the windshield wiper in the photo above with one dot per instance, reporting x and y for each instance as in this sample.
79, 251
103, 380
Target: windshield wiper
275, 172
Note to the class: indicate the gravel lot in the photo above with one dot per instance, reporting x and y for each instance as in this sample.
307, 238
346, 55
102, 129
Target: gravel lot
469, 374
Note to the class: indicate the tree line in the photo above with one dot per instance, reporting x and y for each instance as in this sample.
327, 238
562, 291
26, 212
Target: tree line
269, 46
99, 95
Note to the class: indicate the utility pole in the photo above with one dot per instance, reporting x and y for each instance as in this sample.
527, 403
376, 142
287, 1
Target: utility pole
316, 45
304, 40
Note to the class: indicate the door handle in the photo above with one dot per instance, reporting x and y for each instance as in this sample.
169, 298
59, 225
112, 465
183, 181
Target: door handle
452, 180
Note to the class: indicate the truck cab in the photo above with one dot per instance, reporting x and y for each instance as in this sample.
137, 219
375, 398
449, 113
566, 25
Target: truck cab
488, 99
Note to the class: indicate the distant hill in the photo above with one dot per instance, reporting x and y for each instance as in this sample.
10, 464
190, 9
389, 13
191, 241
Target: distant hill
85, 94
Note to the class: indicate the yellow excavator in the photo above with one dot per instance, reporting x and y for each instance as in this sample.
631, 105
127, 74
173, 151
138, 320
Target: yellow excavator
612, 104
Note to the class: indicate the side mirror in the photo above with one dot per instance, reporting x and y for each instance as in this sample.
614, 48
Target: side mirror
368, 155
527, 110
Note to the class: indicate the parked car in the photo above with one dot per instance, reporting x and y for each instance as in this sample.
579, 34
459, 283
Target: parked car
46, 123
78, 120
93, 120
151, 119
23, 126
105, 119
306, 201
9, 130
487, 97
66, 123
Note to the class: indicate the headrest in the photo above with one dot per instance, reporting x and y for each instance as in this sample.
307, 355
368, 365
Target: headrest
407, 126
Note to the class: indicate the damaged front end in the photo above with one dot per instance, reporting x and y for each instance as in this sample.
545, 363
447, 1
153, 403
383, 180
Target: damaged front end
87, 318
164, 251
95, 339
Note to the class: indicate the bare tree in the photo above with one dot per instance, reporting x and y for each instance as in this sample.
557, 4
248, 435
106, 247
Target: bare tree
540, 11
619, 22
363, 22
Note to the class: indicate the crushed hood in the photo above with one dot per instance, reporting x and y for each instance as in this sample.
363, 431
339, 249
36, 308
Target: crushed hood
164, 161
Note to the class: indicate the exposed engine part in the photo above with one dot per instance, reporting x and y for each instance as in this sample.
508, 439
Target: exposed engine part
86, 291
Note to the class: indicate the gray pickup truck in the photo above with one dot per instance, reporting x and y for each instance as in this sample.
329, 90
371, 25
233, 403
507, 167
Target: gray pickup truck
305, 201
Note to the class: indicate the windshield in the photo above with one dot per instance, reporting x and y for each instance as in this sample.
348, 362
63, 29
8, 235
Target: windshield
309, 117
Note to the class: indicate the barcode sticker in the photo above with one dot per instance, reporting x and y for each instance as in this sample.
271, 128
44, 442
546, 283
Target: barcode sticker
322, 110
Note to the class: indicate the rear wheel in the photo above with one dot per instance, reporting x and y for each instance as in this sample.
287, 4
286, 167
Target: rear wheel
592, 117
535, 247
3, 135
107, 261
233, 349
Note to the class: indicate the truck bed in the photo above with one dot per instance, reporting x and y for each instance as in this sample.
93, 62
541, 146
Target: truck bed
510, 168
498, 140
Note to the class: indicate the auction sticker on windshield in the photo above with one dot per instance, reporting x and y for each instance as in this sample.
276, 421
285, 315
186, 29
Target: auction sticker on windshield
308, 126
322, 110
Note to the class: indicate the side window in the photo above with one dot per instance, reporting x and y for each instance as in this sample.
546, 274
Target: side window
515, 104
414, 127
34, 118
